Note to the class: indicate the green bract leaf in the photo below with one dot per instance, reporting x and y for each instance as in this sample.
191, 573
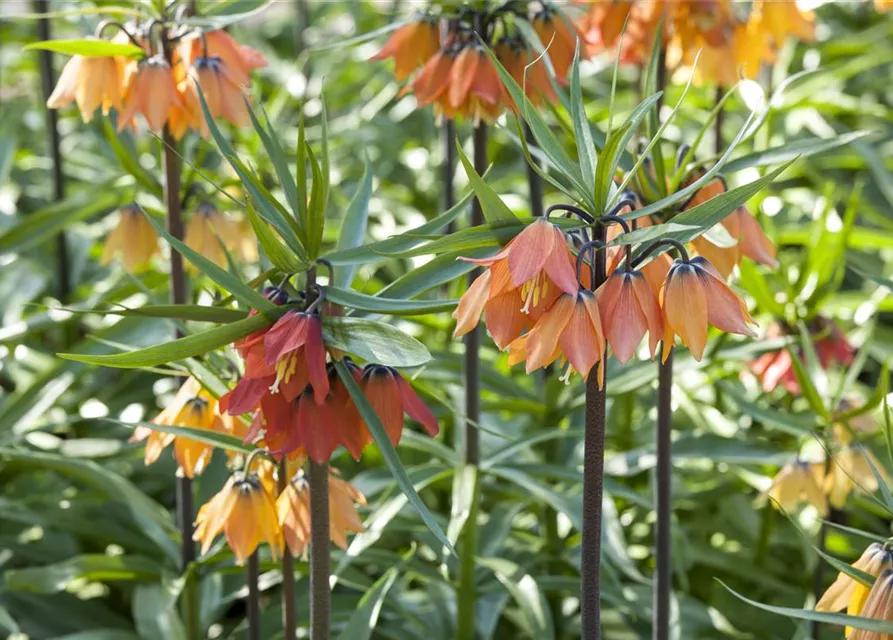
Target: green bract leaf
374, 342
226, 280
195, 345
791, 150
586, 152
389, 453
869, 624
281, 257
90, 48
353, 229
41, 225
698, 219
375, 304
493, 207
205, 436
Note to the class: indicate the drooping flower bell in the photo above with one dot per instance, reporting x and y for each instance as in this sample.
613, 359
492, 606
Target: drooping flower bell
294, 347
750, 239
847, 593
223, 94
150, 91
193, 407
246, 514
559, 36
133, 239
391, 396
523, 280
851, 469
207, 232
878, 606
93, 82
628, 310
572, 329
695, 296
798, 482
471, 87
528, 69
239, 60
411, 46
293, 507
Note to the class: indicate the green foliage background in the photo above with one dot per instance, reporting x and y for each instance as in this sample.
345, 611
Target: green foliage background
87, 539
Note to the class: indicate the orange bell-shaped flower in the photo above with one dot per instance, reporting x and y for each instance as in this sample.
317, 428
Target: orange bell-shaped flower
695, 295
411, 46
629, 309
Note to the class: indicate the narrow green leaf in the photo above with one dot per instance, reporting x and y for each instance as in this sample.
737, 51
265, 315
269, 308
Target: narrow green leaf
374, 341
401, 242
316, 210
882, 484
792, 149
493, 207
701, 217
222, 277
274, 150
276, 251
128, 160
869, 624
389, 453
808, 388
582, 133
363, 620
205, 436
37, 227
54, 578
353, 228
391, 306
198, 313
535, 613
89, 48
187, 347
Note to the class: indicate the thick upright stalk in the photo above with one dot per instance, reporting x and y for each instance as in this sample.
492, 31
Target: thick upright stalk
47, 81
534, 181
718, 143
185, 508
593, 487
320, 593
289, 623
663, 580
467, 594
253, 597
449, 163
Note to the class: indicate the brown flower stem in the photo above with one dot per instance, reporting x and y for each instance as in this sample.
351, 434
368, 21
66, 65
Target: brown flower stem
718, 145
467, 595
48, 81
449, 166
253, 598
289, 621
185, 508
534, 181
320, 593
593, 484
663, 580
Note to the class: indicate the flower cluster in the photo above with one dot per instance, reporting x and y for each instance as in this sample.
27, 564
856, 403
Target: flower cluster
852, 467
248, 513
455, 73
540, 307
875, 601
299, 403
164, 89
728, 43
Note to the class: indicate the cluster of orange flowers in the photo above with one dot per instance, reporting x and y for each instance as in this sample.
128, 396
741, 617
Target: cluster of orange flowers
247, 510
729, 46
540, 308
874, 601
458, 77
164, 92
300, 404
209, 232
